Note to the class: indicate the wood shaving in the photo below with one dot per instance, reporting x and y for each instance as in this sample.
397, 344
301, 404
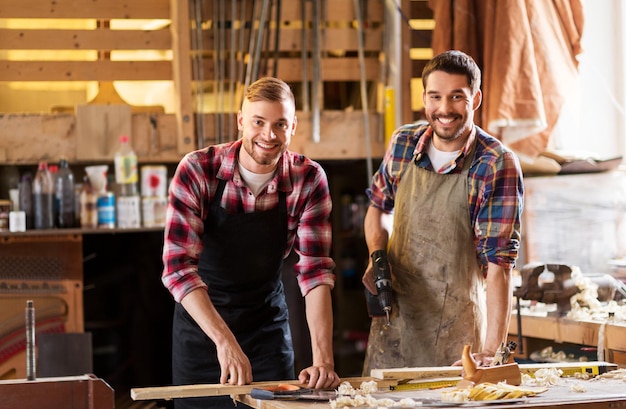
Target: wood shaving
455, 395
367, 387
543, 377
614, 374
578, 387
349, 397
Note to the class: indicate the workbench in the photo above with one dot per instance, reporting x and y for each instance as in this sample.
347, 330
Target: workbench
564, 330
599, 394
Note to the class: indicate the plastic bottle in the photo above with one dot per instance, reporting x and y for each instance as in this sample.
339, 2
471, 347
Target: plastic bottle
126, 178
64, 196
126, 175
53, 169
43, 193
88, 205
26, 199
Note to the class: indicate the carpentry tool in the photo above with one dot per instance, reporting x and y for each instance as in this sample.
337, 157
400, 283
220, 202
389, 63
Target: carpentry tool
557, 287
292, 392
382, 280
503, 353
509, 373
553, 284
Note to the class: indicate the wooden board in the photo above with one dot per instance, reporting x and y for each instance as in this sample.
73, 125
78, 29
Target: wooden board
451, 371
189, 391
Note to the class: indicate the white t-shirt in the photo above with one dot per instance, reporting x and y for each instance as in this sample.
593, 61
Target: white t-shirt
440, 158
255, 181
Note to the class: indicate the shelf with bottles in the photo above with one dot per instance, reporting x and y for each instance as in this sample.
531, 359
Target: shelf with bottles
13, 179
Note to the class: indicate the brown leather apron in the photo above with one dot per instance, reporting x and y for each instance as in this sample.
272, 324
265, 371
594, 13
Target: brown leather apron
439, 297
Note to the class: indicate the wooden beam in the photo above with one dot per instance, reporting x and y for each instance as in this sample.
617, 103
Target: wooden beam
182, 76
342, 39
337, 11
15, 39
102, 70
103, 9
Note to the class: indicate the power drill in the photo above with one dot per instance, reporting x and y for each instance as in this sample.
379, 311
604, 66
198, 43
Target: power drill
382, 280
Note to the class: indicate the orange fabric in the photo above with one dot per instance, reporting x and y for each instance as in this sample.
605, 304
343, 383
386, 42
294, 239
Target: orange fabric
527, 52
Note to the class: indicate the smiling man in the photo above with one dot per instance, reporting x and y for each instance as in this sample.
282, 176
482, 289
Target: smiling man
235, 211
456, 194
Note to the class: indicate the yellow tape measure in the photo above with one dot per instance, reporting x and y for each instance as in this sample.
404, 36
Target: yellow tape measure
426, 384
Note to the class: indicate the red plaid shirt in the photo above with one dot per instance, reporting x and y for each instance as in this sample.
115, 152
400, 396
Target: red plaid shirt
191, 192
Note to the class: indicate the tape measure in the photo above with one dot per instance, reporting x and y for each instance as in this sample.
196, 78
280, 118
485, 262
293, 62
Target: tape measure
426, 384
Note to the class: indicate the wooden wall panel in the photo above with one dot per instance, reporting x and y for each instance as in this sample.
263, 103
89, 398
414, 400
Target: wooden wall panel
102, 9
202, 64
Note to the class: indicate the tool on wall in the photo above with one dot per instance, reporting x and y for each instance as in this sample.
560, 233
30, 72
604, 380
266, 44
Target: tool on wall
197, 66
317, 96
304, 54
363, 82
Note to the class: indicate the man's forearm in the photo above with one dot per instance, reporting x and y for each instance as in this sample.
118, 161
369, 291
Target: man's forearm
198, 304
498, 306
320, 318
376, 234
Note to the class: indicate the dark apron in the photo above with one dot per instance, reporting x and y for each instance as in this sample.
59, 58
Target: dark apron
241, 263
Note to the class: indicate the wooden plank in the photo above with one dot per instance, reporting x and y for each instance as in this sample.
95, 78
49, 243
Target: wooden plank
198, 390
342, 10
332, 69
103, 9
16, 39
334, 39
85, 70
452, 371
181, 75
417, 373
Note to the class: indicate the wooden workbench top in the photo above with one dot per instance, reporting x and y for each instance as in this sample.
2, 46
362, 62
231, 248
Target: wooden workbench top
599, 394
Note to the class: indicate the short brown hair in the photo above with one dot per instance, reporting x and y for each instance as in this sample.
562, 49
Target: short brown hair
454, 62
270, 89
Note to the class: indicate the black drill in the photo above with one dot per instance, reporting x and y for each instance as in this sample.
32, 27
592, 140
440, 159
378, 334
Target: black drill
382, 280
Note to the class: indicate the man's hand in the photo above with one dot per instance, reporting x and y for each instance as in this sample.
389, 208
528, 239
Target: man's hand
319, 377
482, 358
234, 365
368, 279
